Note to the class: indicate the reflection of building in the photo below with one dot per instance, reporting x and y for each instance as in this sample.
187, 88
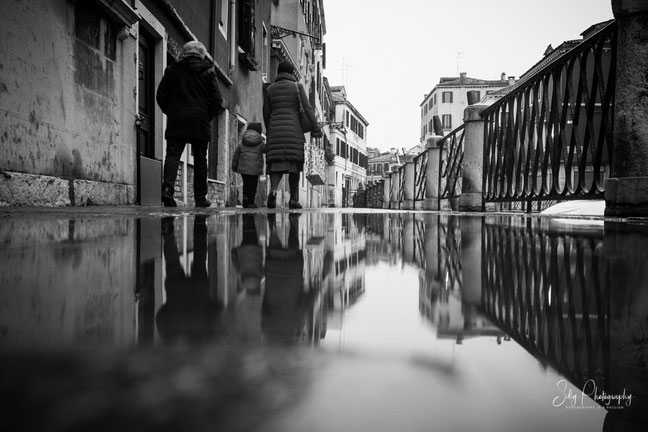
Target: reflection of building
346, 241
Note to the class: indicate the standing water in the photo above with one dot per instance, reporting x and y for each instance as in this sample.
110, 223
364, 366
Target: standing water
322, 321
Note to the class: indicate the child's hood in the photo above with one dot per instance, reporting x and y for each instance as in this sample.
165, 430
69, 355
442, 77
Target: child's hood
251, 138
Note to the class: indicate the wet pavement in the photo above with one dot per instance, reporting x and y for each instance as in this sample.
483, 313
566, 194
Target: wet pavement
224, 319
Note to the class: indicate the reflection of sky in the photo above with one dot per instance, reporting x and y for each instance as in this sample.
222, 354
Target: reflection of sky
477, 385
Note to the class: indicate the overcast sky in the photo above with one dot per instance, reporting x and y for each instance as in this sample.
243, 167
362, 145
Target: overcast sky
388, 54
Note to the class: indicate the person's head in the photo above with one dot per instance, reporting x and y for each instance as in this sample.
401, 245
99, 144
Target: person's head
286, 67
193, 48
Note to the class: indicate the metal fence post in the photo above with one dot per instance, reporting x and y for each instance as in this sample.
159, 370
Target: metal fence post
432, 192
472, 198
408, 189
626, 193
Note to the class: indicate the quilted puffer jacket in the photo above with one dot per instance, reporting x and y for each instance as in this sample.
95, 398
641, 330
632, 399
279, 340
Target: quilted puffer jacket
285, 139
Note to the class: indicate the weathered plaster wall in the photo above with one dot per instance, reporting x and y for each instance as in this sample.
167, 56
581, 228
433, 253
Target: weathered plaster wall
67, 109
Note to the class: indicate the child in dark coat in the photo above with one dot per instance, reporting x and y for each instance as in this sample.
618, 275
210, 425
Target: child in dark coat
248, 161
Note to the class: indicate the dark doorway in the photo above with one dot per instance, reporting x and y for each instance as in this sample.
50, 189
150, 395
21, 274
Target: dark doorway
149, 169
146, 97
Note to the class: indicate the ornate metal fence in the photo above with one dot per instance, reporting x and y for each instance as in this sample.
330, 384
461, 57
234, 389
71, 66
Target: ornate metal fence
400, 197
551, 138
420, 176
450, 160
549, 292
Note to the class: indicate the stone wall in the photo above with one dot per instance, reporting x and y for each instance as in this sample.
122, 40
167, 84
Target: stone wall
67, 105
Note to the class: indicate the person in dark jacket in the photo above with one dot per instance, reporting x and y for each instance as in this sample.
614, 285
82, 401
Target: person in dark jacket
189, 95
248, 161
285, 138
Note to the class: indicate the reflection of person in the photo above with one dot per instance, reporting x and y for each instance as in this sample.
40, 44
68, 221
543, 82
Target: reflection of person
189, 313
189, 95
248, 161
287, 308
285, 138
247, 258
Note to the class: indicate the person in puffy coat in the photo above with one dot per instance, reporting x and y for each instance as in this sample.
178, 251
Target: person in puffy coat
285, 138
189, 95
248, 161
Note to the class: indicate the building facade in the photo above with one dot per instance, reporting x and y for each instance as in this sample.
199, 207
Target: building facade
298, 29
449, 98
347, 134
77, 93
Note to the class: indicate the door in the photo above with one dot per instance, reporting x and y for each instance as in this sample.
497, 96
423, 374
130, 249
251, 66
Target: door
149, 169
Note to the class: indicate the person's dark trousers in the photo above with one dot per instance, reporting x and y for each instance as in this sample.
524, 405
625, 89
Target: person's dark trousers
250, 186
174, 150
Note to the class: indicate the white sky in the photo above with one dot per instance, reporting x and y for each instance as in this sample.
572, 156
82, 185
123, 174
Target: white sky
396, 51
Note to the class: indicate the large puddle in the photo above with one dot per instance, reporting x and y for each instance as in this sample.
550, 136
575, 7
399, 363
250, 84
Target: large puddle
406, 321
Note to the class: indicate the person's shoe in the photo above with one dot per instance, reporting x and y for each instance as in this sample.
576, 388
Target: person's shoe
203, 202
245, 202
272, 200
294, 204
167, 198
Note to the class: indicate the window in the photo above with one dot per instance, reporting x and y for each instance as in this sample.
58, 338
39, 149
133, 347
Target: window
430, 126
265, 55
430, 104
247, 33
224, 17
425, 109
447, 121
446, 97
434, 99
347, 118
95, 29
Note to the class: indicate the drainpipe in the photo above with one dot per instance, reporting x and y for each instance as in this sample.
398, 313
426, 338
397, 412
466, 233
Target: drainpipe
232, 35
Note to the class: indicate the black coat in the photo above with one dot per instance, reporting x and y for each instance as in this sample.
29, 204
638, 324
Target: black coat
189, 95
285, 139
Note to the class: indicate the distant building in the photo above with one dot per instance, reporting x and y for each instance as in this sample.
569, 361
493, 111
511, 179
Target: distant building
449, 98
347, 133
381, 163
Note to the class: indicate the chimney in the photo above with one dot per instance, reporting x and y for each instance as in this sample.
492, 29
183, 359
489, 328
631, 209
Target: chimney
462, 76
511, 80
503, 76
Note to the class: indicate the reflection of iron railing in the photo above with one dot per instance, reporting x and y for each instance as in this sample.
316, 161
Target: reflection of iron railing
550, 292
450, 160
420, 175
450, 266
551, 138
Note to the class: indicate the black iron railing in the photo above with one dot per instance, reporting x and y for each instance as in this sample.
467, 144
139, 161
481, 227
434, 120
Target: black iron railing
420, 175
450, 160
551, 137
550, 293
400, 196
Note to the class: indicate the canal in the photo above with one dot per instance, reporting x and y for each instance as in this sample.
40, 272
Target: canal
319, 321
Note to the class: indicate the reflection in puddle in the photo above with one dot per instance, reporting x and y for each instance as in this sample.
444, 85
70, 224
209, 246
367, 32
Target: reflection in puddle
496, 304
